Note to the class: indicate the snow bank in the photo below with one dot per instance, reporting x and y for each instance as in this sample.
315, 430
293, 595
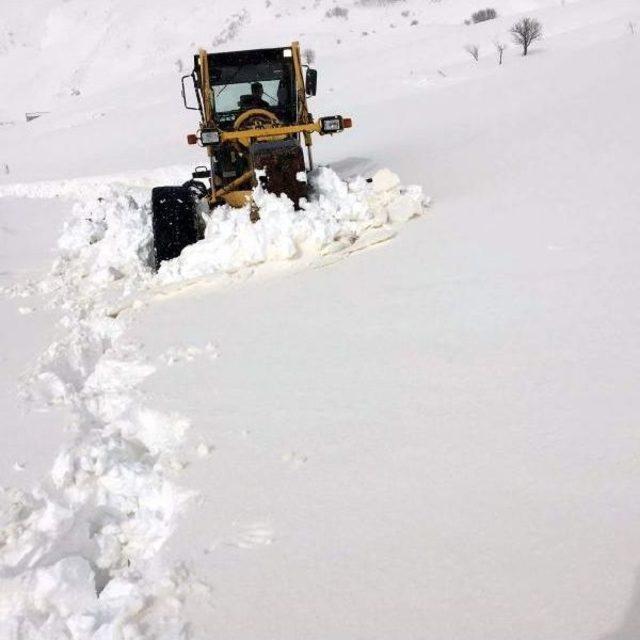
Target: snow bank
78, 553
337, 214
59, 602
108, 238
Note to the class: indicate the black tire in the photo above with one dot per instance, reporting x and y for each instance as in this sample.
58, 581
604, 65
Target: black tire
174, 218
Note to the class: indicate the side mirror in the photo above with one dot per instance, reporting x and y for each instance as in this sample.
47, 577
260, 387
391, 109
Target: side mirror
184, 92
311, 82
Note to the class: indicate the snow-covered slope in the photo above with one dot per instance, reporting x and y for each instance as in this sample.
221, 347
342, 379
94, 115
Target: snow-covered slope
434, 438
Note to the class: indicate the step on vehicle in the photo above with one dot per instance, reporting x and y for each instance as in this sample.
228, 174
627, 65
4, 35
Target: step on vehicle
253, 121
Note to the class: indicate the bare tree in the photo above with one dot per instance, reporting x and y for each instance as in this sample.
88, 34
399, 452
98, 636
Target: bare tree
309, 56
473, 51
632, 28
525, 32
500, 47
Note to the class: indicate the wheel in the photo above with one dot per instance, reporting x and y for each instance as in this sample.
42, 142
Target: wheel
174, 220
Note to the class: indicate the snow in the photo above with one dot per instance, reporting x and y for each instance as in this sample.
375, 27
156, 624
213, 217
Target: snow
111, 501
336, 216
352, 420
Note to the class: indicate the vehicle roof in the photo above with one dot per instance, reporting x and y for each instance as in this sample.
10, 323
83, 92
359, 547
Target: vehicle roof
226, 57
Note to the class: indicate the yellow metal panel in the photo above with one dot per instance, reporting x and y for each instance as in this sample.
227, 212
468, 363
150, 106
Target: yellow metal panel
237, 199
206, 87
303, 112
269, 132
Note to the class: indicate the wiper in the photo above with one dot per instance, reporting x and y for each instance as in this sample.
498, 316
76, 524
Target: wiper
270, 96
231, 79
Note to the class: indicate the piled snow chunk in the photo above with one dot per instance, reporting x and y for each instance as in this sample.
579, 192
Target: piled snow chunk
60, 601
108, 239
337, 212
109, 505
66, 586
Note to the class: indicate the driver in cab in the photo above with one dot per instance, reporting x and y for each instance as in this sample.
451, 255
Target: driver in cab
255, 100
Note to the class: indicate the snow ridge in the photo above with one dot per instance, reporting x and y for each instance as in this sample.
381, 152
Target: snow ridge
339, 218
76, 553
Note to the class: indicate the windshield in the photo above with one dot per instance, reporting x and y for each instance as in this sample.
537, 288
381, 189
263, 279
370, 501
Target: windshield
252, 80
229, 97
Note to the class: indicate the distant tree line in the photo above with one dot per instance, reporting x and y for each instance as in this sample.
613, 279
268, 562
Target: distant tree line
484, 15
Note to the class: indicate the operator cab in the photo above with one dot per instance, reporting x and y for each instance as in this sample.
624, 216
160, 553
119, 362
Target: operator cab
234, 78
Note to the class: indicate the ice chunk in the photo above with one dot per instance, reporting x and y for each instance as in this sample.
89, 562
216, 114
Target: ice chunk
403, 208
385, 180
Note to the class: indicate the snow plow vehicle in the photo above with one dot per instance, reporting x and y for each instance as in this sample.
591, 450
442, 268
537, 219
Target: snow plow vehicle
253, 121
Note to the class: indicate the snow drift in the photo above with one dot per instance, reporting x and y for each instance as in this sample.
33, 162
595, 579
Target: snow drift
331, 221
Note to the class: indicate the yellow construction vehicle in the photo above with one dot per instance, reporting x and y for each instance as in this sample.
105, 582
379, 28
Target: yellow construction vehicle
254, 117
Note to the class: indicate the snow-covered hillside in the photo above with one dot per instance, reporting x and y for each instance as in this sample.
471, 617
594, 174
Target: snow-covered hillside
377, 420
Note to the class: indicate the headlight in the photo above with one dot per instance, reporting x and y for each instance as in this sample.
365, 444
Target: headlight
209, 136
331, 124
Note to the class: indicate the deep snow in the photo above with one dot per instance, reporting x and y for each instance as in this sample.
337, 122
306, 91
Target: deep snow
433, 438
